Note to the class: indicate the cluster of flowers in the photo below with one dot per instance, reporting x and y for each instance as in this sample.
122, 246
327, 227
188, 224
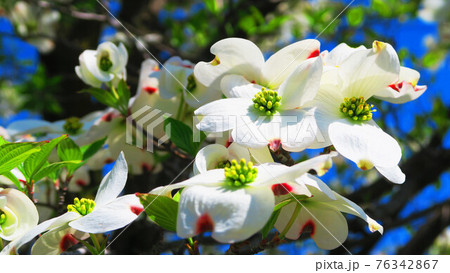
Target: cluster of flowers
300, 98
19, 216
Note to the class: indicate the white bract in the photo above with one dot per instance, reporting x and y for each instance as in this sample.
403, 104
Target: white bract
403, 89
236, 202
176, 78
216, 156
102, 65
266, 100
149, 98
18, 214
319, 213
245, 62
106, 213
344, 116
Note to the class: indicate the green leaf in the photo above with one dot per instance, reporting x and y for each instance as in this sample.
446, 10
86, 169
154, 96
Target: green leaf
211, 5
177, 195
103, 96
270, 223
273, 218
161, 209
14, 179
2, 141
433, 58
69, 150
89, 247
124, 97
33, 164
54, 167
12, 154
89, 150
355, 16
282, 204
382, 8
182, 136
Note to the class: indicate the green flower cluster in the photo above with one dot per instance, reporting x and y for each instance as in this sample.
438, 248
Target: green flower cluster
240, 174
357, 109
82, 207
267, 101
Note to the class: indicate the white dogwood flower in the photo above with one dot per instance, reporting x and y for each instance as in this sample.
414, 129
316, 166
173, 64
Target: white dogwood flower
114, 126
173, 78
258, 116
319, 212
37, 25
344, 116
106, 213
176, 78
235, 202
45, 130
403, 89
102, 65
18, 214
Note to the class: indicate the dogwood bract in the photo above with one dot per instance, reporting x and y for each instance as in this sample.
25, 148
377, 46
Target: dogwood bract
18, 214
319, 213
216, 156
244, 62
235, 202
176, 79
403, 89
107, 212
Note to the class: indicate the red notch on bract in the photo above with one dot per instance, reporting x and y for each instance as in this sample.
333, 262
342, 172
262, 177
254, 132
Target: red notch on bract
204, 224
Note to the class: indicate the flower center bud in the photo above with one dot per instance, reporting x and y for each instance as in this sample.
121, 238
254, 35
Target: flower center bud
72, 126
2, 217
240, 174
357, 109
82, 207
267, 101
224, 164
105, 62
191, 84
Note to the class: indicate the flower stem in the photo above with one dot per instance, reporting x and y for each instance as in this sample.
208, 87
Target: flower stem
180, 108
1, 244
291, 221
96, 243
113, 90
192, 247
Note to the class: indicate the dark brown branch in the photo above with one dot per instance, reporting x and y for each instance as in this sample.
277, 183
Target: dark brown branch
427, 233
